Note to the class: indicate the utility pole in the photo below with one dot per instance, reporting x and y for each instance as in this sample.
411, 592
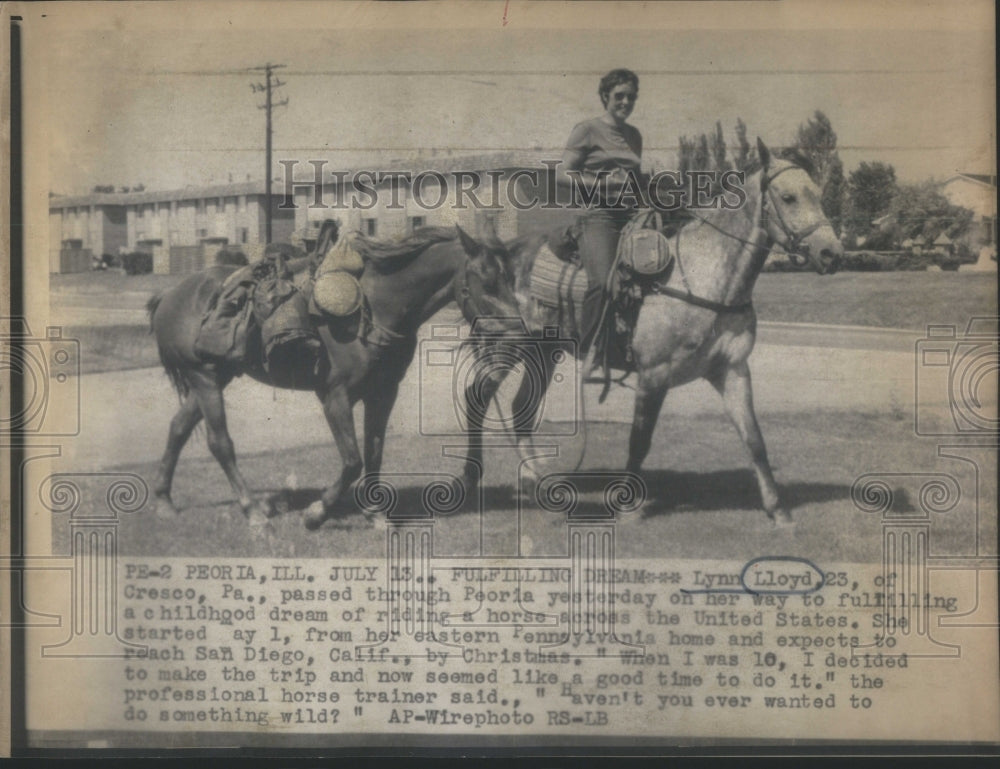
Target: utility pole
267, 86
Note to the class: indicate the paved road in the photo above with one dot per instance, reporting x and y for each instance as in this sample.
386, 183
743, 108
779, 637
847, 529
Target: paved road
125, 414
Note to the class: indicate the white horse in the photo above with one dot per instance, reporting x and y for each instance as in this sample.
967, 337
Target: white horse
699, 323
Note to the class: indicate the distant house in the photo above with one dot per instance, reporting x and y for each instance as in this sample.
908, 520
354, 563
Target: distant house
977, 192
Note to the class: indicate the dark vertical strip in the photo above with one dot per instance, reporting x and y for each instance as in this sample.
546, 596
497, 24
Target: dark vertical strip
17, 454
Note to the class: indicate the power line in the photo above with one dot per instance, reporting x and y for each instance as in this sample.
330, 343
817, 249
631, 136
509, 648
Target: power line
267, 87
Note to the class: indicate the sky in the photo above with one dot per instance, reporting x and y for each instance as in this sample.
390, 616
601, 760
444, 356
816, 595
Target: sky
168, 103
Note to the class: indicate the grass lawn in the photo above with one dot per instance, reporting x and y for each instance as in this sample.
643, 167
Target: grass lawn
702, 498
109, 282
908, 300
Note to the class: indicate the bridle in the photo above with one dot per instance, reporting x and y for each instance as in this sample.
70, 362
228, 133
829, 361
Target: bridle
463, 294
795, 237
792, 246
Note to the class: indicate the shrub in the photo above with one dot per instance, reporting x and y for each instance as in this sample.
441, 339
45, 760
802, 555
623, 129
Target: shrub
137, 263
232, 258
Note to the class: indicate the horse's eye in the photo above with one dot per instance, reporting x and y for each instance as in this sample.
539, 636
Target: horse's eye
788, 198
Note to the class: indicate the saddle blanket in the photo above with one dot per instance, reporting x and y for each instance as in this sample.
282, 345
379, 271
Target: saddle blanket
557, 283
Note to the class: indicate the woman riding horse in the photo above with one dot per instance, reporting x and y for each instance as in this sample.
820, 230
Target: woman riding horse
605, 151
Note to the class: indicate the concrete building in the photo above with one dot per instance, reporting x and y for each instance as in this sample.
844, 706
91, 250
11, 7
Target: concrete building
977, 192
184, 229
181, 229
510, 189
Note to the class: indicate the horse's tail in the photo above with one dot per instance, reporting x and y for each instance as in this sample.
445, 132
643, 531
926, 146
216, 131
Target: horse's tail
174, 373
151, 305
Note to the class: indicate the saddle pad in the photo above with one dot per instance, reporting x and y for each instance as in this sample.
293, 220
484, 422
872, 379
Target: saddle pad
555, 282
644, 251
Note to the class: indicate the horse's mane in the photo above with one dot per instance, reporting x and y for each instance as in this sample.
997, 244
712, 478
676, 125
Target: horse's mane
793, 155
390, 255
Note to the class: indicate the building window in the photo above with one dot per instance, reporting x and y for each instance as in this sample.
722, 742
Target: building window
416, 222
241, 203
370, 226
201, 205
202, 232
222, 204
244, 234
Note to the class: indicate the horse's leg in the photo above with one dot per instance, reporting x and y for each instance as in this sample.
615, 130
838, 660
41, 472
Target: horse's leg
340, 416
181, 425
733, 384
651, 390
207, 388
378, 406
528, 399
478, 396
379, 399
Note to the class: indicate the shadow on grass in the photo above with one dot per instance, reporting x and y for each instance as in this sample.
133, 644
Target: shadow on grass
728, 490
667, 492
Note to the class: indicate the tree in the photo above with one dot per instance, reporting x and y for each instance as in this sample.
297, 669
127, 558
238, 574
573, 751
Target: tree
817, 141
921, 210
103, 188
746, 153
718, 149
871, 189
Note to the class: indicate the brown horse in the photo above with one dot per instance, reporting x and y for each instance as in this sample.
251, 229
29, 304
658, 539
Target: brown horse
699, 323
405, 285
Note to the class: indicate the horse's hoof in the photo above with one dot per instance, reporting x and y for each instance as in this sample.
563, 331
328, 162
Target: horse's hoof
464, 494
165, 509
315, 515
259, 509
260, 527
781, 518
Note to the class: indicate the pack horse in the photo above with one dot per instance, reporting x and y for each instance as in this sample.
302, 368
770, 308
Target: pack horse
696, 319
403, 285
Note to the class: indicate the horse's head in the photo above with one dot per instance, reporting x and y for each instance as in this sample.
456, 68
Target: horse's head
793, 213
484, 290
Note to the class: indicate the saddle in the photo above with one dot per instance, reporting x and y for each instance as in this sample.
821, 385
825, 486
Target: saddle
559, 283
263, 312
262, 306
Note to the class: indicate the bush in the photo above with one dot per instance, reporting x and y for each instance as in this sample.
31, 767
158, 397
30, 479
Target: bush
232, 258
137, 263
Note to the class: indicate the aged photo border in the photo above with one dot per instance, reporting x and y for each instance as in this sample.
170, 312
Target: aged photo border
16, 458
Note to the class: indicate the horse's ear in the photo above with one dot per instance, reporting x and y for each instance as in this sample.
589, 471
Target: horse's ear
490, 230
763, 153
471, 246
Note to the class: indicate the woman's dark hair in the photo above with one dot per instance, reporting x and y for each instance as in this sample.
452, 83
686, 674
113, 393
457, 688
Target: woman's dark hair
614, 78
